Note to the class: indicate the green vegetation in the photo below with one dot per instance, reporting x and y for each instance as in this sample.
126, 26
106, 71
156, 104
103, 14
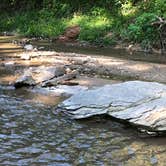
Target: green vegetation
102, 22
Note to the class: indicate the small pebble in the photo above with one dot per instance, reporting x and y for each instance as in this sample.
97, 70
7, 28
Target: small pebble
153, 160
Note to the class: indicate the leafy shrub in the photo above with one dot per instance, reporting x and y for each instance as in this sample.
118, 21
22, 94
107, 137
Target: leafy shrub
142, 29
160, 8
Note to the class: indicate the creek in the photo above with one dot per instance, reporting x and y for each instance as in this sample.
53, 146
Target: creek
32, 132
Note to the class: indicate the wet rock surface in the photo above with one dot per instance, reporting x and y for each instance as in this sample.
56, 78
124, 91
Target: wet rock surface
140, 103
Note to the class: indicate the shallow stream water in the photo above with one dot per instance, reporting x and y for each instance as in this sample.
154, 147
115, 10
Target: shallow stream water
33, 132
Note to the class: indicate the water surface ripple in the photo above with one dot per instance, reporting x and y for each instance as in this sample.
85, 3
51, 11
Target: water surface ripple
33, 133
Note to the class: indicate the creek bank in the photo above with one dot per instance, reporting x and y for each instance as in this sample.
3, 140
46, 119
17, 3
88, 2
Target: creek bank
75, 65
142, 104
60, 68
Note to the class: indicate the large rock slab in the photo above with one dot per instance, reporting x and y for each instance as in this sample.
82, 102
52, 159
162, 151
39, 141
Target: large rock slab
140, 103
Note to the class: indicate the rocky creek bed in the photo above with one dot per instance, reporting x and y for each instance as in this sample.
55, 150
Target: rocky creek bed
139, 103
33, 132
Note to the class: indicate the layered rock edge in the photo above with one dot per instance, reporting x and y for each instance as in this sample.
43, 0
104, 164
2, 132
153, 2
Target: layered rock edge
137, 102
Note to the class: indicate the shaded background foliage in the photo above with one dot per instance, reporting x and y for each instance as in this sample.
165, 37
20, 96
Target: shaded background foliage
58, 6
126, 20
13, 5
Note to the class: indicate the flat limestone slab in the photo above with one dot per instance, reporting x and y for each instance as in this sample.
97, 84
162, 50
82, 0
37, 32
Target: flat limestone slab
137, 102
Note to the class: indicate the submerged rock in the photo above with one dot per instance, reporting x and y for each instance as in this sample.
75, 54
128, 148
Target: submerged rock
61, 90
140, 103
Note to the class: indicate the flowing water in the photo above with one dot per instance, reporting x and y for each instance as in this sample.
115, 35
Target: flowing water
33, 133
101, 51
